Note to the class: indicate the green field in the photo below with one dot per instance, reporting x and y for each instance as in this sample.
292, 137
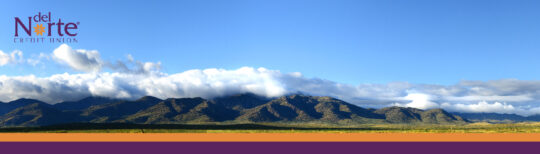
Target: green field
278, 128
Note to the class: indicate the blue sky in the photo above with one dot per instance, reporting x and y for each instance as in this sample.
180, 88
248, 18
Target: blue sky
432, 42
459, 55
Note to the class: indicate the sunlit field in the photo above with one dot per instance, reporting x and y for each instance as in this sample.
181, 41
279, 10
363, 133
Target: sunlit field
526, 127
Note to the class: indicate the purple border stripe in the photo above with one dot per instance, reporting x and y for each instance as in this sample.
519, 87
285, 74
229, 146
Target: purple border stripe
268, 147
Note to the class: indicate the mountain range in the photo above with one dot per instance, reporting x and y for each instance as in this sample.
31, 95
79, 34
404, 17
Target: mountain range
241, 108
497, 117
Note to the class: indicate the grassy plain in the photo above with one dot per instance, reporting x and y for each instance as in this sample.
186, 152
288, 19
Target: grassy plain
524, 127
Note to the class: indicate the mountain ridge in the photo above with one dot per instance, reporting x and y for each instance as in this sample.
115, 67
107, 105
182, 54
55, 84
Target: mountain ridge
498, 117
241, 108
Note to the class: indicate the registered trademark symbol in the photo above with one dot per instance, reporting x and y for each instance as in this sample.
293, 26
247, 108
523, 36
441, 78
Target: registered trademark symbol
78, 23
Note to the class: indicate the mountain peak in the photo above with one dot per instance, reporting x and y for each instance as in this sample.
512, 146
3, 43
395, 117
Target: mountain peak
241, 101
437, 110
84, 103
397, 114
292, 96
24, 101
245, 95
149, 98
95, 98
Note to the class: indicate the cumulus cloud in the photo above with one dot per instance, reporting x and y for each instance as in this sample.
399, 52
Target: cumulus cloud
37, 59
418, 100
209, 83
135, 66
13, 57
131, 79
482, 106
90, 61
206, 83
16, 57
80, 59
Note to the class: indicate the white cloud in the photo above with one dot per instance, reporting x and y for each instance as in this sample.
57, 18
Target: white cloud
132, 79
135, 66
13, 57
418, 100
495, 107
482, 106
16, 57
80, 59
214, 82
37, 59
193, 83
90, 61
512, 98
